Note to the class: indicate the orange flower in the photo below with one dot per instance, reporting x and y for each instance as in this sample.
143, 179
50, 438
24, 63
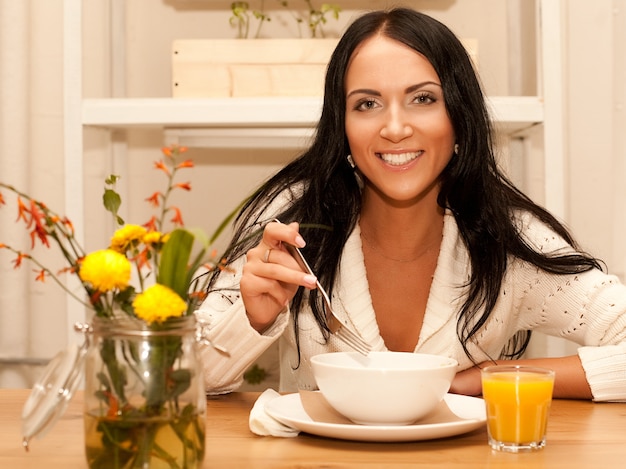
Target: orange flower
22, 210
39, 231
154, 199
183, 185
173, 150
151, 225
17, 262
67, 222
224, 268
198, 296
113, 404
185, 164
64, 270
143, 258
177, 219
41, 276
160, 165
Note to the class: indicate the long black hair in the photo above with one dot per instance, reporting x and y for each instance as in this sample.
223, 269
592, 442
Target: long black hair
481, 199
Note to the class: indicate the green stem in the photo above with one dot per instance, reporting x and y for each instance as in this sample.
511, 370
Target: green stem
144, 447
162, 454
50, 274
170, 181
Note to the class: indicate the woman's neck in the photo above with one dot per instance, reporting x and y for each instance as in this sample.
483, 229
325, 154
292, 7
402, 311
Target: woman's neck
402, 234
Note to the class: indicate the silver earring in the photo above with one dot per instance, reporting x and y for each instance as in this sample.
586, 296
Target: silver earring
357, 176
456, 148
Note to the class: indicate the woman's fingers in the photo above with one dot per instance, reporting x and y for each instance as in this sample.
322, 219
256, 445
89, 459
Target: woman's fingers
264, 298
271, 276
276, 233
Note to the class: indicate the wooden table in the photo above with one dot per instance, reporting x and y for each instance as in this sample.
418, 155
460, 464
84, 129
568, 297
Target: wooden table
580, 435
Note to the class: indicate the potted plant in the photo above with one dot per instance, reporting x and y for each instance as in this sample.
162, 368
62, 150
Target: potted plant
314, 17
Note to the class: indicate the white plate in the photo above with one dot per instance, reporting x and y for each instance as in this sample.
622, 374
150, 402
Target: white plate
467, 414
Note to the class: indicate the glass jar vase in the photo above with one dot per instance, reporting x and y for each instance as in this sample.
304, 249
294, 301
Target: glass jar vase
144, 398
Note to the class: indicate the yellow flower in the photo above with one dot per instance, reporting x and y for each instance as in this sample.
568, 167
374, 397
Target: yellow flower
105, 270
126, 235
152, 237
158, 303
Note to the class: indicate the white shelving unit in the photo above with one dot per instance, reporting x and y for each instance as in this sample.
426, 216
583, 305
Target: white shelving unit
273, 122
266, 122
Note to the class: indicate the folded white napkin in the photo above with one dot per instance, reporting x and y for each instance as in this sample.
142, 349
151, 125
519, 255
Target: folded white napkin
261, 423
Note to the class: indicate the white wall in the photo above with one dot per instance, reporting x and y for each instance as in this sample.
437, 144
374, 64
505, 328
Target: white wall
595, 89
596, 127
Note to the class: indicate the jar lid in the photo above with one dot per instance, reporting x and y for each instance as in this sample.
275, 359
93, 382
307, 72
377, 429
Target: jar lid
52, 393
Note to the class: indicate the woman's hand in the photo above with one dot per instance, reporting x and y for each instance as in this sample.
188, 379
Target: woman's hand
271, 276
467, 382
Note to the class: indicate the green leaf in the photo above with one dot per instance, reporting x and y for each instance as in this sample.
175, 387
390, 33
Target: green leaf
111, 180
181, 380
255, 375
175, 261
197, 261
229, 218
104, 380
117, 373
112, 202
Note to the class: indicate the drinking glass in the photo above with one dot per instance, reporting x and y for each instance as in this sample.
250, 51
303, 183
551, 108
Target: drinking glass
517, 400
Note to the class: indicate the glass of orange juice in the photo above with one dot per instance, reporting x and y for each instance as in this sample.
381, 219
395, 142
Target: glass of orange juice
517, 400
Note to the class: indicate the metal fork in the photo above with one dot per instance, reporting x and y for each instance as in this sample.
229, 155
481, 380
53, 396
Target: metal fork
336, 327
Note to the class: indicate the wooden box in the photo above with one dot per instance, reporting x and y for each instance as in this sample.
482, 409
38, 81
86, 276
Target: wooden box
206, 68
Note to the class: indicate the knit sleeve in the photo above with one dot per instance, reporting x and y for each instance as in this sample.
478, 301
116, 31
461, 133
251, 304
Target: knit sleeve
237, 346
605, 368
232, 343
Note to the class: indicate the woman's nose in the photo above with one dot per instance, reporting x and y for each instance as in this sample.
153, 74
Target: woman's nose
396, 125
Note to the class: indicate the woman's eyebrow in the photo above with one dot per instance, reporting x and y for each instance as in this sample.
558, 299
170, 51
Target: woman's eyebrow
363, 91
410, 89
416, 87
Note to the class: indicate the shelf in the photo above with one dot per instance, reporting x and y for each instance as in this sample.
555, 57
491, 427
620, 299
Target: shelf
254, 122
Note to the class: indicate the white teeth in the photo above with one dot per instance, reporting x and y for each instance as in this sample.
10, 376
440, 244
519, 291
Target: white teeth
398, 159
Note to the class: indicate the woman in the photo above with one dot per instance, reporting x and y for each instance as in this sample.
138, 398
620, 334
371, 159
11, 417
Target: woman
424, 245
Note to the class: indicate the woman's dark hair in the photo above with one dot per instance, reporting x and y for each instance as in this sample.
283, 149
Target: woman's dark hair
479, 196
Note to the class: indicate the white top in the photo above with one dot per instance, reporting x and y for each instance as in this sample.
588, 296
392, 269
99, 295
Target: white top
588, 309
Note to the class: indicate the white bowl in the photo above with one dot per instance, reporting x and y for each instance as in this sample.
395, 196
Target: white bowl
383, 388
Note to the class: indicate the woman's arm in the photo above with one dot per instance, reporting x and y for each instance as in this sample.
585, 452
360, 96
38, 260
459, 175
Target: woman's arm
570, 381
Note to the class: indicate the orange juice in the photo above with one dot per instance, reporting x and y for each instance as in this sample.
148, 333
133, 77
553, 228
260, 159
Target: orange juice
517, 401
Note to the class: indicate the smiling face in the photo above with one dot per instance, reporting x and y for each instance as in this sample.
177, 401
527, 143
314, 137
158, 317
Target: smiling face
400, 135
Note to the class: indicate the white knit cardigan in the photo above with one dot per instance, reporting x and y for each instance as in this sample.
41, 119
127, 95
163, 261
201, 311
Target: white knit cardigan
588, 309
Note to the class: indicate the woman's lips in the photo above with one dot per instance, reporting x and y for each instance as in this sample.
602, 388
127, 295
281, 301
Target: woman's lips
399, 159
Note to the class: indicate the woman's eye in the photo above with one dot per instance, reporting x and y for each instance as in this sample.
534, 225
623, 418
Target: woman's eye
365, 105
425, 98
